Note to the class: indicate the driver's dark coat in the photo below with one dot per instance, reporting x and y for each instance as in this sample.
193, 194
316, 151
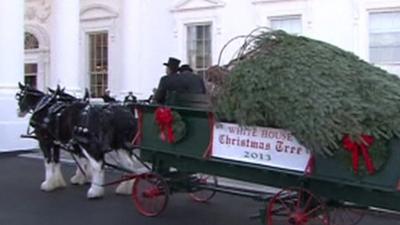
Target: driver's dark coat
186, 82
168, 83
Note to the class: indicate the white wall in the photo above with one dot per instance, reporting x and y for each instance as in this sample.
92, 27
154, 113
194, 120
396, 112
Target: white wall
161, 34
11, 127
162, 30
155, 45
11, 70
236, 18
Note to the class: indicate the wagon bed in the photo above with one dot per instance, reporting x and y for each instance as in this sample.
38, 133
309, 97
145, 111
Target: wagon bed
331, 180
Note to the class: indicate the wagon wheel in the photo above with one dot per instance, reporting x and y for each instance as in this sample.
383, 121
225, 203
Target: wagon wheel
346, 216
150, 194
296, 206
203, 195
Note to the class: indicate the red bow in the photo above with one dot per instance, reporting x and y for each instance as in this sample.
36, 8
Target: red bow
362, 148
165, 120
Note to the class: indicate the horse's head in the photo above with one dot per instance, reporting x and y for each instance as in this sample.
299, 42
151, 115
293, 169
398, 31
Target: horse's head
61, 95
27, 98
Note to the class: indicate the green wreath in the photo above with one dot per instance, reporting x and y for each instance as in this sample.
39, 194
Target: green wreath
379, 152
172, 128
178, 126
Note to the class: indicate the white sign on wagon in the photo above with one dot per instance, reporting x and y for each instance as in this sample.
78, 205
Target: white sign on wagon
259, 145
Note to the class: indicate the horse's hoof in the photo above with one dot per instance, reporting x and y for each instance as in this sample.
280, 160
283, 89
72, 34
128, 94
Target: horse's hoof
60, 183
47, 186
125, 188
95, 192
78, 180
52, 184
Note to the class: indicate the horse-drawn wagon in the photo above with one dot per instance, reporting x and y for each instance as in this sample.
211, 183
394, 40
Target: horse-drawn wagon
328, 97
344, 110
313, 189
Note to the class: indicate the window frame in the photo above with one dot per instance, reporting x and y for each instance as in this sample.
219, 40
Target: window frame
31, 75
35, 39
270, 19
101, 76
211, 45
31, 49
381, 11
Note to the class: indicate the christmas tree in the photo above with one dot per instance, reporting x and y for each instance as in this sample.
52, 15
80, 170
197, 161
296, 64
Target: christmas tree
317, 91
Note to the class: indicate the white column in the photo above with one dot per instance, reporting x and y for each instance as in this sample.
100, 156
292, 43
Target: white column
65, 44
131, 69
12, 71
11, 44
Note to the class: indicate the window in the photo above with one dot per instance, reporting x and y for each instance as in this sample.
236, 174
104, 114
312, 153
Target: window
31, 41
31, 70
290, 24
384, 37
98, 63
199, 47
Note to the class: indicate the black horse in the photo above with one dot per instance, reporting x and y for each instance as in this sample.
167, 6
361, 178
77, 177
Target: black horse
53, 118
108, 127
60, 121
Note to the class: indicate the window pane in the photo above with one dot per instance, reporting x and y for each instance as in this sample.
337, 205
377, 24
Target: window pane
384, 54
384, 21
30, 41
31, 70
290, 24
384, 37
199, 32
98, 58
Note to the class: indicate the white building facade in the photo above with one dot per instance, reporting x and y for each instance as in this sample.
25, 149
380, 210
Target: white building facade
120, 45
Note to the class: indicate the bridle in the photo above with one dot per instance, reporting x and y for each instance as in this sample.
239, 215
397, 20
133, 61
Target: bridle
23, 94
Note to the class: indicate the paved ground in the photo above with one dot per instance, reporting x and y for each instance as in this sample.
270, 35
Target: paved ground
22, 203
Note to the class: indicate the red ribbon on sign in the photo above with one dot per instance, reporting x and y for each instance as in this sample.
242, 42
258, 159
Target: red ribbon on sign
356, 149
165, 119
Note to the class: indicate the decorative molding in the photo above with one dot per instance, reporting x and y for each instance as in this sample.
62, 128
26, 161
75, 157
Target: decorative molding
40, 33
189, 5
272, 1
38, 11
379, 8
98, 11
379, 4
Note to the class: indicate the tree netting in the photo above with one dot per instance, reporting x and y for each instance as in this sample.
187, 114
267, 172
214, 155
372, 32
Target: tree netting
317, 91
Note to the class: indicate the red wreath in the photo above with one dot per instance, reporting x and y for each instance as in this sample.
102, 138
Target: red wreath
360, 148
165, 120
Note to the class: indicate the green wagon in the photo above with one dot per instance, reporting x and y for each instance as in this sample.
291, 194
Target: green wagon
331, 194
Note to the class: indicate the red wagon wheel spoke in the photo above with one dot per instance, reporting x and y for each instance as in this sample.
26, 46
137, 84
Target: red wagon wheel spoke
284, 205
346, 216
150, 194
300, 207
204, 195
299, 199
308, 202
309, 213
282, 210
